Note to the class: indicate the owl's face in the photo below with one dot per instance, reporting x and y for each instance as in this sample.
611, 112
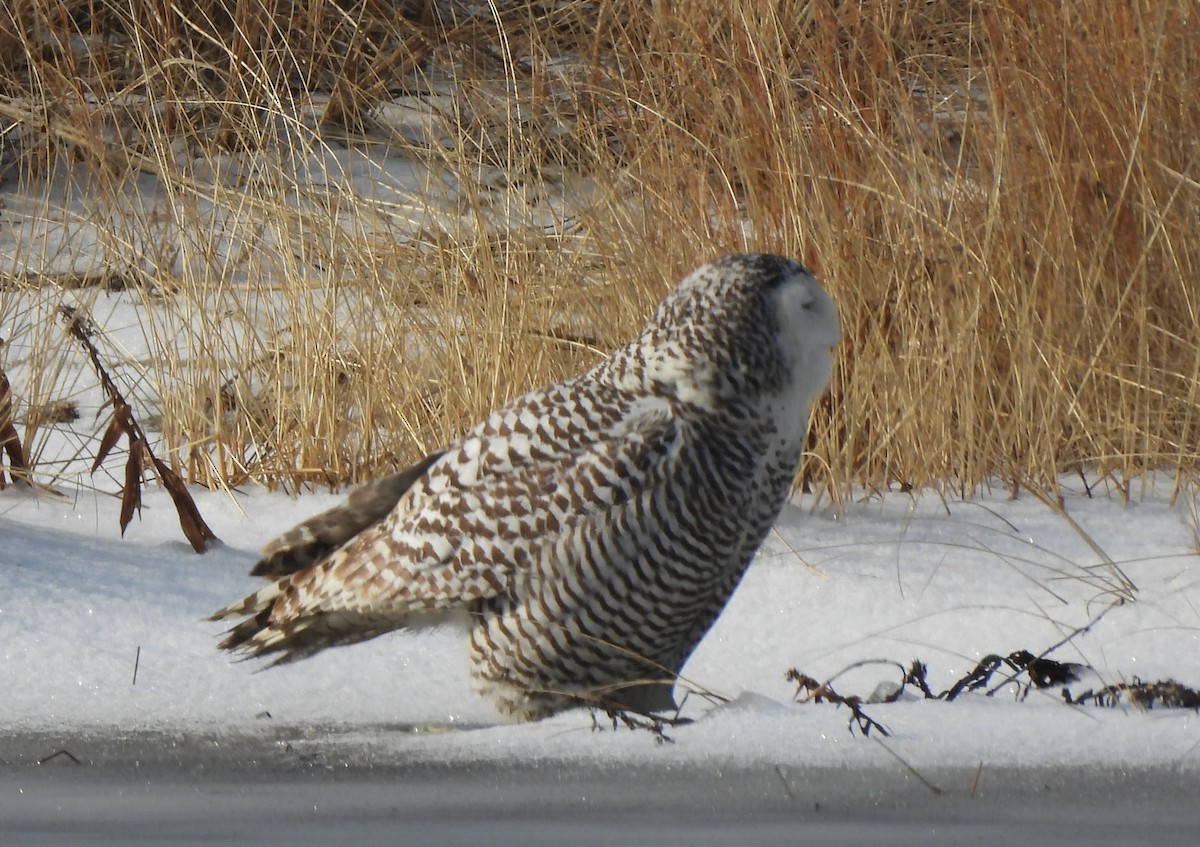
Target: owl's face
742, 330
807, 330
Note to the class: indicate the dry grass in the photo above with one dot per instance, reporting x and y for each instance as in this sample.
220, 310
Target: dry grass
1002, 197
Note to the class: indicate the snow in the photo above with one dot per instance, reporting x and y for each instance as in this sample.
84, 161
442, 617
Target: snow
879, 577
884, 577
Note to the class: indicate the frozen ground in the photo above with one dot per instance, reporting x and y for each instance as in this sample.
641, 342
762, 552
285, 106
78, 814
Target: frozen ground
265, 802
390, 730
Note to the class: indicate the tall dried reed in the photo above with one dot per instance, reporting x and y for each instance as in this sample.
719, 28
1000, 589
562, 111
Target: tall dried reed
1003, 198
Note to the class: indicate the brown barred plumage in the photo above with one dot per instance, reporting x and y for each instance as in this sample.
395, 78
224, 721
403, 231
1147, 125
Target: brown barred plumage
589, 533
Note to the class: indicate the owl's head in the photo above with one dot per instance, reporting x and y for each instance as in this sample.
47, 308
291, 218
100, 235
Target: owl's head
744, 327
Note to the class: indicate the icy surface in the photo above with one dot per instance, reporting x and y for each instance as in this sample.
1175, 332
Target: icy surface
886, 578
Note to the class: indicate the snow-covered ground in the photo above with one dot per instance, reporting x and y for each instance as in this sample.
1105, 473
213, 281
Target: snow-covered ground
887, 577
882, 577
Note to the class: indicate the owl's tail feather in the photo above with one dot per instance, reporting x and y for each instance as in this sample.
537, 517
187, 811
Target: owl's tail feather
252, 604
257, 635
256, 608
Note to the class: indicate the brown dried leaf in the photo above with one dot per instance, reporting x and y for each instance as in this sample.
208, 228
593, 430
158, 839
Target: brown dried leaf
9, 439
111, 436
194, 528
131, 493
12, 447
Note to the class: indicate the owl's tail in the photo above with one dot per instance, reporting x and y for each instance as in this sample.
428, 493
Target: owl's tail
249, 635
263, 633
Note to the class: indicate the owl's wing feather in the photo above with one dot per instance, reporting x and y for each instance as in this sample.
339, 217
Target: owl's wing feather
467, 529
320, 535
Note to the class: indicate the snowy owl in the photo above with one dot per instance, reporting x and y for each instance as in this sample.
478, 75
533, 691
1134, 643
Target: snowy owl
587, 534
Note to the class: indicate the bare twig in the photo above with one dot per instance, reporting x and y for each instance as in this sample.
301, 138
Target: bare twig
808, 689
56, 754
908, 767
1167, 694
123, 423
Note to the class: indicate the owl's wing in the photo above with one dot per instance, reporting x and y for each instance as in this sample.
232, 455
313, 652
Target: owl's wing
320, 535
466, 529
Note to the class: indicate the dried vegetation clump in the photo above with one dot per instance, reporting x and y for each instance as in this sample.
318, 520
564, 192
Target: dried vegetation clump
1002, 197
